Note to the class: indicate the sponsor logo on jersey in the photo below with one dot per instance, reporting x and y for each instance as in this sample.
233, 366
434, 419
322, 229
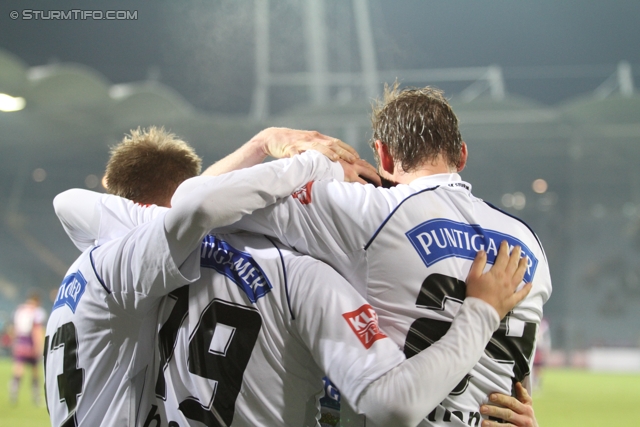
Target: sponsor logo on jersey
236, 265
364, 322
304, 194
438, 239
71, 290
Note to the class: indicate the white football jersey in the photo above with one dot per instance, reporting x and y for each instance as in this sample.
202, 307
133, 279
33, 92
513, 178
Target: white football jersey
249, 343
408, 251
100, 337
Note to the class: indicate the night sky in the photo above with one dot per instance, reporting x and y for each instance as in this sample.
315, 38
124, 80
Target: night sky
204, 49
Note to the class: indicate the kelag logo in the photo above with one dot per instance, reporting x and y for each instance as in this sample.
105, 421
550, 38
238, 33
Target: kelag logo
71, 290
364, 323
236, 265
438, 239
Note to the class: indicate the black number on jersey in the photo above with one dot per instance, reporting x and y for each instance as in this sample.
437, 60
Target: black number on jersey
221, 356
169, 333
434, 293
72, 377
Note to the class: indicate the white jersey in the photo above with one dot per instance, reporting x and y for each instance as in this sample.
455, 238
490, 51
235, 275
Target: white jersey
251, 340
408, 250
101, 333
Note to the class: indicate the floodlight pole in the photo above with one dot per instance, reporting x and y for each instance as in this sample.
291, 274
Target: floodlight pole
260, 102
368, 61
318, 79
317, 57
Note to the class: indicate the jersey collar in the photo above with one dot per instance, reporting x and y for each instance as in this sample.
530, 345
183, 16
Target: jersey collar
452, 180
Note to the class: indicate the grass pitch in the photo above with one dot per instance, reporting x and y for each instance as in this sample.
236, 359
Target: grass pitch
566, 398
570, 398
25, 413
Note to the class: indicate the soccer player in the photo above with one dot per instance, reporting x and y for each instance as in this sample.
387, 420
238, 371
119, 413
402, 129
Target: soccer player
407, 249
28, 336
288, 272
101, 336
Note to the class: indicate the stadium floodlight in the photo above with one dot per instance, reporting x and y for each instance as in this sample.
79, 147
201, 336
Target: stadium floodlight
10, 103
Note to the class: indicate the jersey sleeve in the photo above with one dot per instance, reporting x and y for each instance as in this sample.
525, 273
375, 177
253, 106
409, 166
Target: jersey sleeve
273, 180
224, 199
78, 212
322, 217
138, 268
90, 218
414, 388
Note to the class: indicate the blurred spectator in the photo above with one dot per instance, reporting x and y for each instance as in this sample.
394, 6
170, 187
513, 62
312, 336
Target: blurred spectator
28, 339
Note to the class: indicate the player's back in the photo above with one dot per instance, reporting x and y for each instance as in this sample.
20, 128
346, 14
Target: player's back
244, 345
101, 335
88, 363
417, 263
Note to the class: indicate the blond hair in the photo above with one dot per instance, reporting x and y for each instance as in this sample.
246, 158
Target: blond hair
149, 164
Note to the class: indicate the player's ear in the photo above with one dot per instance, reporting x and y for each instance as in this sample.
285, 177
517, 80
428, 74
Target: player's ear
463, 157
386, 159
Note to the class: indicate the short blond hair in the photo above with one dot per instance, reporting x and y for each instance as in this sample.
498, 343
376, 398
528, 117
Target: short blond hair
148, 165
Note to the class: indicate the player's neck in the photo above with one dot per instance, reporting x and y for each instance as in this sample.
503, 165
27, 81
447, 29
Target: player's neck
427, 169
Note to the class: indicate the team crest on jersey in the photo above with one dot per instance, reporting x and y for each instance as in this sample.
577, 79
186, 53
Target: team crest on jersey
304, 194
71, 290
236, 265
364, 322
438, 239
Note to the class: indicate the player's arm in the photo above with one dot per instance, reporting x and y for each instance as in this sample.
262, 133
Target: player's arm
222, 200
327, 220
281, 143
79, 213
490, 296
162, 255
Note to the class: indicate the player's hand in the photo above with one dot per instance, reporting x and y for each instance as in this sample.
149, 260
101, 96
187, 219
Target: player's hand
284, 142
498, 285
360, 171
516, 412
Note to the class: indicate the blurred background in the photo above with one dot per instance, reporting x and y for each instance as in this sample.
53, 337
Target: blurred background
545, 92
